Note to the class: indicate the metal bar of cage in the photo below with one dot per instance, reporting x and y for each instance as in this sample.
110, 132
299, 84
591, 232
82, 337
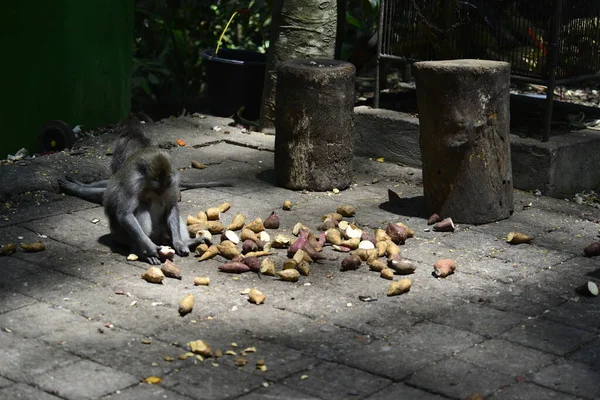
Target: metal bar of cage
535, 51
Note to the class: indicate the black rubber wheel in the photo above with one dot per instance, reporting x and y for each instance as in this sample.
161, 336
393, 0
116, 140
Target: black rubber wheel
56, 135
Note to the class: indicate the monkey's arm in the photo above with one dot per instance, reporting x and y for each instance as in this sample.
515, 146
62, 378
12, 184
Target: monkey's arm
145, 248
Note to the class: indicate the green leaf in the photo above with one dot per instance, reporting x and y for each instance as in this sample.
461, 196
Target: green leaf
353, 21
153, 79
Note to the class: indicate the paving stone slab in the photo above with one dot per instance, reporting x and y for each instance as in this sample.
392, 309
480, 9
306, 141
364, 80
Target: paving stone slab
84, 379
458, 379
559, 284
23, 359
276, 391
506, 357
529, 300
548, 336
58, 206
51, 286
350, 382
583, 314
37, 319
500, 270
24, 391
5, 382
145, 391
589, 354
403, 391
528, 391
570, 377
479, 319
13, 271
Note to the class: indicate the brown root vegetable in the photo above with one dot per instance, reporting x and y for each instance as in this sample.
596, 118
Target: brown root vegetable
351, 262
202, 216
260, 253
33, 247
198, 165
200, 347
336, 216
256, 296
298, 244
186, 305
8, 249
592, 250
215, 227
267, 267
253, 263
165, 253
153, 275
302, 255
191, 220
298, 228
248, 246
369, 237
256, 226
287, 205
391, 249
343, 225
381, 236
399, 287
518, 238
201, 249
401, 266
365, 254
333, 236
433, 219
289, 275
587, 289
272, 221
410, 232
376, 264
328, 224
281, 242
445, 225
397, 233
304, 268
195, 228
346, 210
234, 268
228, 249
213, 213
443, 268
381, 248
237, 222
290, 263
387, 273
209, 253
248, 234
351, 243
231, 236
224, 207
201, 281
171, 270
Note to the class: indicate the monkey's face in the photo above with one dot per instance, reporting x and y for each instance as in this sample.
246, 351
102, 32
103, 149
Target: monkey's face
159, 177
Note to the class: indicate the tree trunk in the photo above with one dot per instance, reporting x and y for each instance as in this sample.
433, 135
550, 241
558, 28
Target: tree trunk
299, 29
464, 138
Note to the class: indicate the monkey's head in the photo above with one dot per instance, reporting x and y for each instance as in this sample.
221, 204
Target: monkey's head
158, 173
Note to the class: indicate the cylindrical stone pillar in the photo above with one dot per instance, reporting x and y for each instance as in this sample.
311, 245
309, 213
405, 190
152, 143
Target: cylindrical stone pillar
464, 138
314, 121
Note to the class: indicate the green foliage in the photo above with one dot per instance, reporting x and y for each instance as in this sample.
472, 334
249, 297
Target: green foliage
362, 19
171, 35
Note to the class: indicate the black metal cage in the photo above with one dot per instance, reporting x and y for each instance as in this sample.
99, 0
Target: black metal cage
551, 42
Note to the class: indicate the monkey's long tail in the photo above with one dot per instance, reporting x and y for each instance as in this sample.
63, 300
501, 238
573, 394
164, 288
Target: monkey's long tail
199, 185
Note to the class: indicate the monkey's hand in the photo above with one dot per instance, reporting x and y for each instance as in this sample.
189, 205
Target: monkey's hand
181, 249
150, 255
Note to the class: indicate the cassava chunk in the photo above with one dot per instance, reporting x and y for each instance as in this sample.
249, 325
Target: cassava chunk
237, 222
267, 267
201, 249
290, 263
201, 281
376, 264
387, 273
248, 234
333, 236
381, 248
399, 287
346, 210
231, 236
171, 270
304, 268
209, 253
153, 275
281, 242
260, 253
336, 216
392, 249
256, 226
588, 289
215, 227
224, 207
401, 266
592, 250
443, 268
213, 213
381, 236
202, 216
351, 243
518, 238
191, 220
200, 347
289, 275
165, 253
33, 247
351, 262
234, 267
8, 249
256, 296
228, 250
186, 305
287, 205
272, 221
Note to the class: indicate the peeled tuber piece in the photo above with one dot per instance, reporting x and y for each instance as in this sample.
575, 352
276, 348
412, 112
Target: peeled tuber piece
253, 263
433, 219
592, 250
33, 247
256, 296
201, 249
213, 213
353, 232
272, 221
281, 242
231, 236
445, 225
169, 269
302, 255
381, 248
587, 289
443, 268
260, 253
263, 237
333, 236
234, 267
153, 275
224, 207
202, 216
209, 253
336, 216
346, 210
343, 225
391, 249
198, 165
8, 249
365, 254
366, 245
376, 264
267, 267
351, 243
256, 226
401, 266
290, 263
342, 249
214, 227
201, 281
387, 273
249, 245
200, 347
396, 233
289, 275
399, 287
186, 305
237, 222
228, 249
287, 205
298, 228
351, 262
518, 238
381, 236
132, 257
304, 268
191, 220
248, 234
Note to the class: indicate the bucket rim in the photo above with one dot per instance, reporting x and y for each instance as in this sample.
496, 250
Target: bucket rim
209, 54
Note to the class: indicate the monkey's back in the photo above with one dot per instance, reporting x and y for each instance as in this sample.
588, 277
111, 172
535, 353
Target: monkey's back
131, 140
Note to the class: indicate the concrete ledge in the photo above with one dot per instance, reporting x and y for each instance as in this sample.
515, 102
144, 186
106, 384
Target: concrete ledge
566, 165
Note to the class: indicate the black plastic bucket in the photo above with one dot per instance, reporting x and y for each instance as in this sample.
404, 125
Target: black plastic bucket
235, 78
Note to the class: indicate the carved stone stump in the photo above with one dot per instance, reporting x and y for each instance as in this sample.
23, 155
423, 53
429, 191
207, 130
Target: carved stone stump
314, 121
464, 139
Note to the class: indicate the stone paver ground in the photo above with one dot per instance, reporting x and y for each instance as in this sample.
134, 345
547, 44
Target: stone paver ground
77, 322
